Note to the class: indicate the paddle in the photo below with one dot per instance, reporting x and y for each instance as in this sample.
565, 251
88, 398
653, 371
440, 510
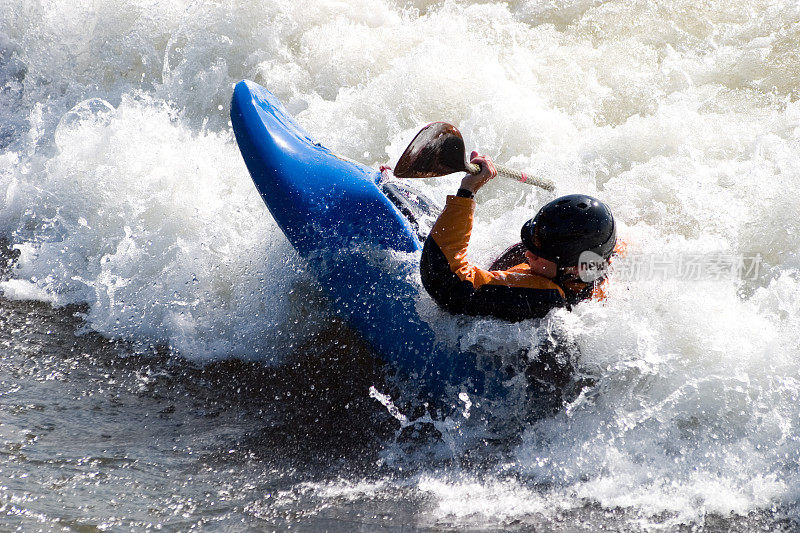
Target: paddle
438, 149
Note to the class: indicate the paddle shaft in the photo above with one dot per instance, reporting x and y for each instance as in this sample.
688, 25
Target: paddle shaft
510, 173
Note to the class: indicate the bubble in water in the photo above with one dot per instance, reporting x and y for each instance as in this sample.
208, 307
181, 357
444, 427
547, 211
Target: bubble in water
94, 110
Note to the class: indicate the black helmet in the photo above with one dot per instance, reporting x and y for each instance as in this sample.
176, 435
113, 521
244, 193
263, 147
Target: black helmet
568, 226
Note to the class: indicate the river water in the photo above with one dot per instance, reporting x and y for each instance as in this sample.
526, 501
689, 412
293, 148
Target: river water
167, 361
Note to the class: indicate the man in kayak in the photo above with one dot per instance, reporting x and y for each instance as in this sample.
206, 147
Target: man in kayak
554, 241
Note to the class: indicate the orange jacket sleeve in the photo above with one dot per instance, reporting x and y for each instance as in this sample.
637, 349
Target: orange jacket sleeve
461, 287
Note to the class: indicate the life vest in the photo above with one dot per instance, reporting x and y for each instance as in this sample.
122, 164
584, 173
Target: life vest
515, 255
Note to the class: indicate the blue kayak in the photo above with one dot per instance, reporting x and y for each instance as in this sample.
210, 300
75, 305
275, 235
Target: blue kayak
337, 217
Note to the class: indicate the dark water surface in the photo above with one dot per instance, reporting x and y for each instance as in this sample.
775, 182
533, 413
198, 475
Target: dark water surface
96, 437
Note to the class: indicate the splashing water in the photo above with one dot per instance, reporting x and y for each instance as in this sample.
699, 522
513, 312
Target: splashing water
122, 188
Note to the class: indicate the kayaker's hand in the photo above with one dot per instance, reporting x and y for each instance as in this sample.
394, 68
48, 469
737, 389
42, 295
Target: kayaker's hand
488, 171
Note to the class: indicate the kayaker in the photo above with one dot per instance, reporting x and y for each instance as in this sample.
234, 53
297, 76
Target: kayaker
554, 240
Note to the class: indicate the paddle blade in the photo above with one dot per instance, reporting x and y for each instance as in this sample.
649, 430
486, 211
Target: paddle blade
437, 150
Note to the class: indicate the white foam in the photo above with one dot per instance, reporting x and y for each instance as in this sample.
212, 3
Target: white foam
20, 289
160, 230
682, 116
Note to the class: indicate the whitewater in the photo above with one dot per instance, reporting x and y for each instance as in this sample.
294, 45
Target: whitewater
145, 285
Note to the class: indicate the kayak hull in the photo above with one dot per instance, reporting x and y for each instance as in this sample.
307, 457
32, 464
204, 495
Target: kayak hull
333, 212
